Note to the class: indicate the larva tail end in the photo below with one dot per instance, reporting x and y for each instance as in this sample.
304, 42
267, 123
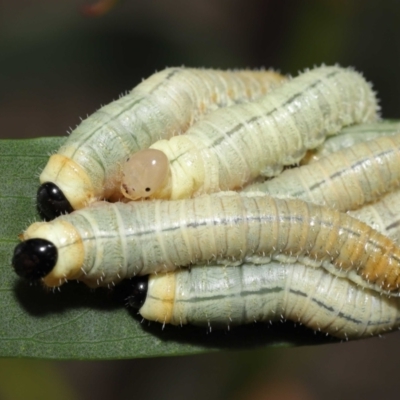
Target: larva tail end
138, 292
34, 258
51, 201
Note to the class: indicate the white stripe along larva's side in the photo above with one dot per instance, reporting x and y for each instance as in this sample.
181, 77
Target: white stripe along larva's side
234, 145
344, 180
109, 242
351, 136
222, 296
166, 104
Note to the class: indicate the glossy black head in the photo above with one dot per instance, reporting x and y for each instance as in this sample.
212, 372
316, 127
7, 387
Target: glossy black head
34, 258
51, 201
138, 293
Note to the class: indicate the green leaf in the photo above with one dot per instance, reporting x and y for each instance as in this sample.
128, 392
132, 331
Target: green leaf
76, 322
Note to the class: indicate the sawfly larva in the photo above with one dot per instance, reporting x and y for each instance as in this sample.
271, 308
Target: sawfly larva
344, 180
223, 296
383, 215
350, 136
108, 242
86, 167
234, 145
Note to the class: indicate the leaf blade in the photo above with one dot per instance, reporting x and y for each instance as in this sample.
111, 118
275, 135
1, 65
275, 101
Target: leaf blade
77, 322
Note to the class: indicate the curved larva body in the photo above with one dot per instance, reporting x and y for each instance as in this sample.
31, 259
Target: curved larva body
234, 145
344, 180
383, 215
222, 296
351, 136
86, 167
108, 242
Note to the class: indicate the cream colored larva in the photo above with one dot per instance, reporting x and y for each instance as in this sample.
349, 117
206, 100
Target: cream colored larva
106, 243
383, 215
351, 136
345, 179
234, 145
223, 296
87, 166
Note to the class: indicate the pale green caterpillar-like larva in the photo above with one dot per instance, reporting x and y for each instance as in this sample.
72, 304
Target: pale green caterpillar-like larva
345, 179
234, 145
87, 167
223, 296
350, 136
108, 242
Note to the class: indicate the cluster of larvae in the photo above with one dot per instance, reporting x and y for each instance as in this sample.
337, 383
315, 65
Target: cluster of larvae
185, 185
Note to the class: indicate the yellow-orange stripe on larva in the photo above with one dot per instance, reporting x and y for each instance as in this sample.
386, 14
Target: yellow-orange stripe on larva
234, 145
87, 166
345, 179
218, 296
123, 240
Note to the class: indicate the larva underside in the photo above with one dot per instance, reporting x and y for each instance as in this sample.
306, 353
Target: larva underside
345, 179
222, 296
108, 242
235, 145
87, 165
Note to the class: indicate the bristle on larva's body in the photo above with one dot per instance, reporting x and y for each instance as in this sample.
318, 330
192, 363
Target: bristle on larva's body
345, 179
234, 145
108, 242
350, 136
87, 166
218, 296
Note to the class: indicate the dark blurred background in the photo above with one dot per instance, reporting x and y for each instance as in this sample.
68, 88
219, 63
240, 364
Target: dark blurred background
57, 65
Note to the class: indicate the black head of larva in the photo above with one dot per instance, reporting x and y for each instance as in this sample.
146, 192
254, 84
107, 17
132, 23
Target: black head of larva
51, 201
34, 258
138, 293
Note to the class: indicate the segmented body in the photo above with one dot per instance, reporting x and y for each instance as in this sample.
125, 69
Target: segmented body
234, 145
109, 242
222, 296
383, 215
87, 166
344, 180
350, 136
